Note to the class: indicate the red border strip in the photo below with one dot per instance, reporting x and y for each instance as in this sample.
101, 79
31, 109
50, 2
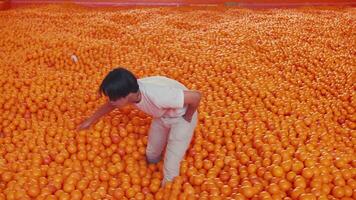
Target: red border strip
283, 5
124, 3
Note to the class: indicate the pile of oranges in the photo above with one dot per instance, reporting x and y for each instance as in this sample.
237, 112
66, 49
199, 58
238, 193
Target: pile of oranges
277, 119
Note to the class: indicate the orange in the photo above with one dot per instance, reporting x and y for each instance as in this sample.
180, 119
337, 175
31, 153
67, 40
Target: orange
296, 192
307, 196
226, 190
339, 181
33, 191
104, 176
273, 188
68, 187
75, 195
338, 192
300, 182
277, 171
284, 185
119, 193
247, 191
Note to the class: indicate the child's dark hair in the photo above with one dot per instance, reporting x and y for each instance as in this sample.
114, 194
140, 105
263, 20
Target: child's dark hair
118, 83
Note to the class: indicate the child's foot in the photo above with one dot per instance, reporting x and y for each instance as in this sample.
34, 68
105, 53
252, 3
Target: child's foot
153, 160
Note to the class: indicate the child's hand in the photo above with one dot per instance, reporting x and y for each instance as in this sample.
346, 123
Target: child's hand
187, 118
85, 125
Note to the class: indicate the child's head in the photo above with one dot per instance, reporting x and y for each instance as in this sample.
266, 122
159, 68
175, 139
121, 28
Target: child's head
119, 86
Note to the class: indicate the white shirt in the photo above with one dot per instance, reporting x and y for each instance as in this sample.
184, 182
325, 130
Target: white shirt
161, 97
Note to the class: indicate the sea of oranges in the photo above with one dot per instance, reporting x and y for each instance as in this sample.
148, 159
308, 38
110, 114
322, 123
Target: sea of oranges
277, 119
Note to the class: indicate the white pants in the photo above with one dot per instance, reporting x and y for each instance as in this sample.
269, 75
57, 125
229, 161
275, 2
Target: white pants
176, 134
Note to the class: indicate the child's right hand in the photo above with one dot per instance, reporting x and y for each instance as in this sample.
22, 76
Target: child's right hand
84, 125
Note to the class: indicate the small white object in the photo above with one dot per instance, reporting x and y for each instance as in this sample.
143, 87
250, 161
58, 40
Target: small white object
74, 58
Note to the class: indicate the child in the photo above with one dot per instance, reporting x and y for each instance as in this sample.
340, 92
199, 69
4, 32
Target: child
172, 106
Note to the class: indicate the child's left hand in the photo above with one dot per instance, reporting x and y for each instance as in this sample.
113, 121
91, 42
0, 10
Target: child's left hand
187, 118
85, 125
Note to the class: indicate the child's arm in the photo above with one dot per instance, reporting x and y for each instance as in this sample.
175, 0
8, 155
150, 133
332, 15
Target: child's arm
103, 110
192, 100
